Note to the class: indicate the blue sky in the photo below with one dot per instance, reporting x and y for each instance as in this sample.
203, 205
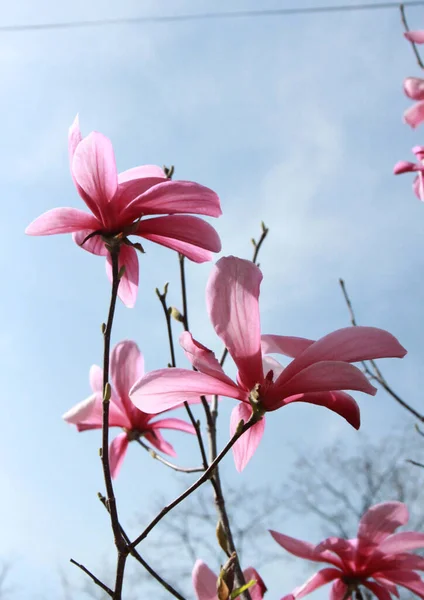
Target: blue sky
294, 121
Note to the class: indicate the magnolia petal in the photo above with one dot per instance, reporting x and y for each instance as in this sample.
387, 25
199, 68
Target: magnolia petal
62, 220
316, 581
175, 197
246, 445
402, 542
344, 549
96, 378
94, 168
407, 579
418, 186
204, 581
380, 521
388, 585
193, 253
338, 590
182, 228
117, 451
339, 402
126, 367
404, 166
414, 115
177, 424
350, 344
282, 344
232, 298
414, 88
168, 388
379, 591
142, 172
417, 37
328, 375
270, 364
258, 590
202, 359
157, 440
305, 550
88, 414
128, 284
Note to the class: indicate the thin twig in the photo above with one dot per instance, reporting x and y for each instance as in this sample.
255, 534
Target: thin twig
414, 462
257, 245
97, 581
206, 475
137, 556
405, 25
376, 373
162, 298
165, 462
181, 258
111, 502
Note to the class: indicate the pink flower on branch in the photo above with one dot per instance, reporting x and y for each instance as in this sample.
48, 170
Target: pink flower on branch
404, 166
317, 375
119, 201
127, 365
205, 582
378, 559
414, 89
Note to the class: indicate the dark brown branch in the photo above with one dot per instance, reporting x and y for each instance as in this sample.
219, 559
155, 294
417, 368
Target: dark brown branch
162, 298
137, 556
206, 475
165, 462
257, 245
97, 581
111, 501
181, 258
405, 26
374, 372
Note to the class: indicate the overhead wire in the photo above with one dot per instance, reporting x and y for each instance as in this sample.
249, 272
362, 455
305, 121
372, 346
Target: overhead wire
220, 15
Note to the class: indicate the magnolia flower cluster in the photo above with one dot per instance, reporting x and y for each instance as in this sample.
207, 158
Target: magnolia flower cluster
414, 116
319, 372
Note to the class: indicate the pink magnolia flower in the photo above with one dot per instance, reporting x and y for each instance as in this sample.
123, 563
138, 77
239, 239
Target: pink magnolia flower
127, 365
318, 373
404, 166
205, 582
414, 89
119, 201
378, 558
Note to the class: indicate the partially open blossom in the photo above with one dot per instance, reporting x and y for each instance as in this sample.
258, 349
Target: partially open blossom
318, 373
119, 203
417, 37
205, 582
404, 166
127, 365
378, 558
414, 89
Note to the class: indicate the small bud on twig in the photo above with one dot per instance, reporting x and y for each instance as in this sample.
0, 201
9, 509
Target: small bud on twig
221, 536
175, 314
107, 392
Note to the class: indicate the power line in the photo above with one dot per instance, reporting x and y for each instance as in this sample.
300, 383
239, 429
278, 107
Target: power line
243, 14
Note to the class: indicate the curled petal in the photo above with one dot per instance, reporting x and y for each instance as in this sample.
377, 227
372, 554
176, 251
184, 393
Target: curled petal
128, 284
414, 115
177, 424
402, 542
316, 581
202, 358
173, 197
322, 377
404, 166
407, 579
258, 590
96, 378
338, 590
418, 186
94, 244
88, 414
414, 88
117, 451
305, 550
417, 37
62, 220
168, 388
339, 402
246, 445
232, 297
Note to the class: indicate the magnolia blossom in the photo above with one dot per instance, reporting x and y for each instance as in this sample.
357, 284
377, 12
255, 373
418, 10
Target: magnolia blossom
378, 559
404, 166
318, 373
127, 365
119, 201
414, 89
205, 582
